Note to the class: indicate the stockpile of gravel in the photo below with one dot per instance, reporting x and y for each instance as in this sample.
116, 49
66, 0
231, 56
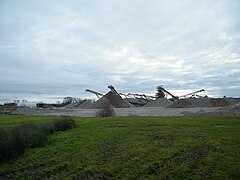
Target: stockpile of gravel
99, 104
26, 111
71, 106
219, 102
232, 101
160, 102
137, 102
128, 103
200, 102
112, 98
181, 103
236, 106
86, 104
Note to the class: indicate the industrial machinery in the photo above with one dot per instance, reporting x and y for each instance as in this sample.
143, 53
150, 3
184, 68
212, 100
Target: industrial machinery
143, 96
193, 94
135, 99
174, 98
138, 99
113, 90
94, 92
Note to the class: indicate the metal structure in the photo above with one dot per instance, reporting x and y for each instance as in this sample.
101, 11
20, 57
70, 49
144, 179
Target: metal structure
113, 90
94, 92
143, 96
193, 94
138, 96
168, 93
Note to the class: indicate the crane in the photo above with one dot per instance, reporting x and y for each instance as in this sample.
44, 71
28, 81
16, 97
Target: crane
94, 92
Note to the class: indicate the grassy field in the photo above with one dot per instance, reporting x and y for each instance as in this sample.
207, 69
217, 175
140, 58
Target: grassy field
132, 148
3, 107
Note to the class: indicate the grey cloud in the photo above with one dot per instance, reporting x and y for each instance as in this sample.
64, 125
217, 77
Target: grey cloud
135, 46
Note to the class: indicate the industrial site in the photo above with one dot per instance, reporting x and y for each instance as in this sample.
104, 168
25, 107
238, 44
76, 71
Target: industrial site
115, 103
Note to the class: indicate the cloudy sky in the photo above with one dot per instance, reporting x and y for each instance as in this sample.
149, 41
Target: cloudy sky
60, 48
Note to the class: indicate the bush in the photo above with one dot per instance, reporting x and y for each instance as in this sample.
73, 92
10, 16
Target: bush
106, 111
11, 143
47, 128
63, 124
33, 135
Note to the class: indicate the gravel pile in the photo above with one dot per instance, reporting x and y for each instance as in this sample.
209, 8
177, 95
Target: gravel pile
137, 102
112, 98
236, 106
128, 103
71, 106
219, 102
181, 103
200, 102
26, 111
160, 102
86, 104
99, 104
232, 101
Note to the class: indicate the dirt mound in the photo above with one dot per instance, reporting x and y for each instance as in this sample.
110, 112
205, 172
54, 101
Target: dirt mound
160, 102
219, 102
112, 98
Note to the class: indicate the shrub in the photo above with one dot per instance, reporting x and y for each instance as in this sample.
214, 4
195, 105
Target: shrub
106, 111
47, 128
11, 143
63, 124
33, 135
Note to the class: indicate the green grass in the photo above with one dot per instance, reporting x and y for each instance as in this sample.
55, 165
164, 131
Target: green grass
7, 107
132, 148
14, 120
3, 107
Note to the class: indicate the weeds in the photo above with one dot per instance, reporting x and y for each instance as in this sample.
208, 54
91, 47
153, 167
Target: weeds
47, 128
33, 135
13, 141
64, 124
11, 144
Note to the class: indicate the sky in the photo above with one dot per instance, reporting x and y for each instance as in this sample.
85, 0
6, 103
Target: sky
58, 48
